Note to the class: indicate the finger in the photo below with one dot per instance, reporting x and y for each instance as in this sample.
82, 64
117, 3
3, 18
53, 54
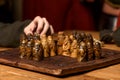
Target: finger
51, 29
30, 28
46, 27
27, 31
34, 24
40, 25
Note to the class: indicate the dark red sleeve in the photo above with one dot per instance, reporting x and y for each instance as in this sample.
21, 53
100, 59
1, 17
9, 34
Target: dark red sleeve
118, 21
79, 17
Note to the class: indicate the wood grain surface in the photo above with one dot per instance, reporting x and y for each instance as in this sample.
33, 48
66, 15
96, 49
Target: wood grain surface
111, 72
59, 65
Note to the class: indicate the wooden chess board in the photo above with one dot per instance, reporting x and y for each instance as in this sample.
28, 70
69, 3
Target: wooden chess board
59, 65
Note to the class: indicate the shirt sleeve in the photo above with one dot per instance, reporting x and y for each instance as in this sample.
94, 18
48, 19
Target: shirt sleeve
10, 33
113, 3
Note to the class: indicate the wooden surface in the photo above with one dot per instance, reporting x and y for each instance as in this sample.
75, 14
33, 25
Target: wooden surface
59, 65
107, 73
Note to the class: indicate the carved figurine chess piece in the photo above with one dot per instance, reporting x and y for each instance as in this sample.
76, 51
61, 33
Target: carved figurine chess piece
97, 50
52, 46
83, 36
29, 46
82, 54
30, 37
83, 44
29, 50
77, 36
90, 51
37, 51
45, 45
74, 50
60, 40
36, 37
22, 46
71, 38
89, 38
66, 46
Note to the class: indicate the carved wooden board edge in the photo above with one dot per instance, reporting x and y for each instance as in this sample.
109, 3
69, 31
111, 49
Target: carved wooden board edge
58, 65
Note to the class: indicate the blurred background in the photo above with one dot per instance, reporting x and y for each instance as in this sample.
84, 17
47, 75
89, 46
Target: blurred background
12, 10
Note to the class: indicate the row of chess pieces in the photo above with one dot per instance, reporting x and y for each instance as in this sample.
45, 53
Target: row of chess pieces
77, 45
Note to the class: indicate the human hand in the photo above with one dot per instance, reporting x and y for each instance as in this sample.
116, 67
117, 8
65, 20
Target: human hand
40, 26
108, 9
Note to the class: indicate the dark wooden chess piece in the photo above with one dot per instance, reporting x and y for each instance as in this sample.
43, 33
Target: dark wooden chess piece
29, 50
36, 37
83, 36
37, 51
29, 37
77, 36
89, 38
22, 48
97, 50
82, 54
29, 46
90, 51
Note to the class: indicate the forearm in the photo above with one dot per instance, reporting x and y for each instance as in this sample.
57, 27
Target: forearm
111, 7
108, 9
10, 33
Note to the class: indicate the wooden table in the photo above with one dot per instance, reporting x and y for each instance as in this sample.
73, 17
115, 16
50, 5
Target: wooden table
107, 73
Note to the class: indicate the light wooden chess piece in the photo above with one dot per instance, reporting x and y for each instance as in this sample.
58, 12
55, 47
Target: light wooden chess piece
71, 38
45, 45
52, 46
66, 46
60, 40
74, 50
